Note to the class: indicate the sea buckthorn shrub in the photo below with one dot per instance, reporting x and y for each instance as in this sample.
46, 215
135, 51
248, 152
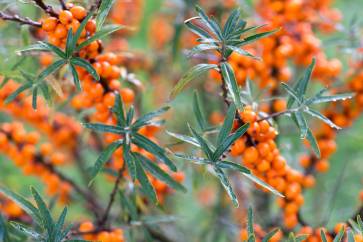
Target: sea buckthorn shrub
79, 83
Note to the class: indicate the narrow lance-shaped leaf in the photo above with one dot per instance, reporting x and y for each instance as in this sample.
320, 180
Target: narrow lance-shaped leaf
118, 109
203, 143
256, 37
76, 80
185, 138
104, 9
69, 43
51, 69
202, 47
231, 83
86, 65
301, 123
54, 49
199, 112
332, 98
160, 174
227, 124
227, 186
102, 33
229, 141
103, 158
242, 52
195, 159
28, 207
231, 23
47, 220
26, 231
196, 29
210, 23
145, 119
293, 95
80, 29
146, 186
233, 166
262, 184
270, 234
16, 93
100, 127
320, 116
154, 149
61, 220
35, 97
128, 158
313, 142
189, 76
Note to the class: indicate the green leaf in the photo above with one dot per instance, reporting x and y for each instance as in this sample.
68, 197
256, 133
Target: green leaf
69, 43
302, 84
104, 128
302, 124
130, 161
262, 184
51, 69
230, 81
118, 109
233, 166
333, 98
196, 29
104, 157
301, 238
60, 223
340, 235
250, 223
229, 141
360, 223
104, 9
24, 230
184, 138
235, 37
22, 202
153, 148
4, 235
231, 23
21, 89
314, 144
46, 218
80, 29
76, 80
350, 236
202, 142
253, 38
292, 94
199, 112
242, 52
54, 49
270, 235
200, 48
189, 76
35, 47
320, 116
35, 98
210, 23
86, 65
130, 116
160, 174
145, 119
323, 235
195, 159
227, 124
147, 188
227, 186
102, 33
45, 91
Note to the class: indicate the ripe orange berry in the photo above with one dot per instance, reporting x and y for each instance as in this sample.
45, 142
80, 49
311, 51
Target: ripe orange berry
250, 155
78, 12
60, 31
322, 166
293, 190
263, 149
65, 17
264, 126
49, 24
248, 116
91, 26
127, 95
238, 147
309, 181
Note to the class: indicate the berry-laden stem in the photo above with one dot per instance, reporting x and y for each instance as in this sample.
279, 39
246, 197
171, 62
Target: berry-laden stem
21, 20
104, 218
48, 9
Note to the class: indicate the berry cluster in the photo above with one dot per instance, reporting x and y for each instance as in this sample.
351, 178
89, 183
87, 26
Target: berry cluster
87, 229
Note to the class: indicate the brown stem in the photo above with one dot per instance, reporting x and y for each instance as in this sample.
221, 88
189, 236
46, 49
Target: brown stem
48, 9
95, 6
63, 4
274, 115
21, 20
112, 197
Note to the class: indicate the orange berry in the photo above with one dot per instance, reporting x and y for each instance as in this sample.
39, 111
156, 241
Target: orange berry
65, 17
127, 95
250, 155
91, 26
322, 166
309, 181
60, 31
49, 24
238, 147
263, 149
248, 116
78, 12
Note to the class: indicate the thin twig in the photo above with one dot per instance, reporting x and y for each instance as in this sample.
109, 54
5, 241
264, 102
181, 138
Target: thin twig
48, 9
21, 20
275, 115
63, 4
95, 6
112, 197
